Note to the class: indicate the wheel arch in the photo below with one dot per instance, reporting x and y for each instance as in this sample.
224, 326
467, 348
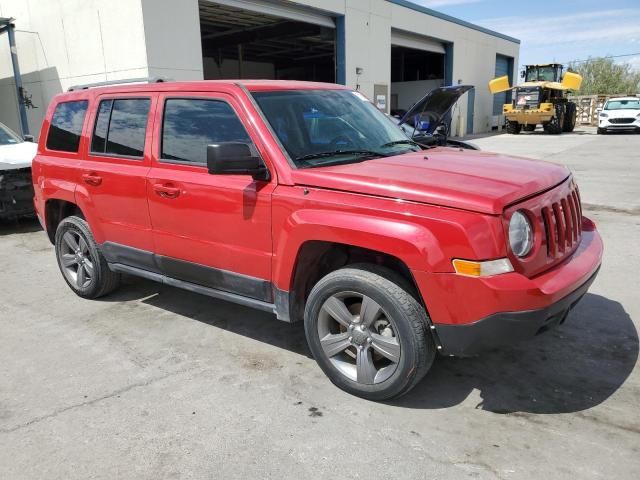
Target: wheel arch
311, 250
56, 210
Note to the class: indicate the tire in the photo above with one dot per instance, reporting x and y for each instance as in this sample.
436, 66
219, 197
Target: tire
513, 127
384, 354
554, 126
601, 131
81, 263
529, 128
570, 117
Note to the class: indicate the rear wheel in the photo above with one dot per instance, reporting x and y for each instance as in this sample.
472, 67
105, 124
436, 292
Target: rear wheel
82, 265
513, 127
368, 334
529, 128
554, 126
570, 117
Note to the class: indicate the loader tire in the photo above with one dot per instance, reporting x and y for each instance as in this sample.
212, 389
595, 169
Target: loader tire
513, 127
554, 126
570, 117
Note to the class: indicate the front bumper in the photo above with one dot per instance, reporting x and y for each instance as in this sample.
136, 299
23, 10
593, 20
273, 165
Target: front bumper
16, 193
507, 327
605, 124
474, 314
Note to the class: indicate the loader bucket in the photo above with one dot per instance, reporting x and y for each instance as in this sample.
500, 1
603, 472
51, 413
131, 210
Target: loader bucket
500, 84
572, 81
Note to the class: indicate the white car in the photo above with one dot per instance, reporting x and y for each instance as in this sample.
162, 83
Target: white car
16, 189
622, 113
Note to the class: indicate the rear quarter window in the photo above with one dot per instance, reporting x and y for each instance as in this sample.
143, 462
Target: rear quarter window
66, 126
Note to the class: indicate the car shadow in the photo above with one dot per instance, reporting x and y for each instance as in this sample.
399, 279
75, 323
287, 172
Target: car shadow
19, 225
249, 322
572, 368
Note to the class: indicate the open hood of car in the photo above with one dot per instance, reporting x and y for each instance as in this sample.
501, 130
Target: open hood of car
429, 112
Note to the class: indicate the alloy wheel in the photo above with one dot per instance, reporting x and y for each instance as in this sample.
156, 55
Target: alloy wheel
75, 259
358, 337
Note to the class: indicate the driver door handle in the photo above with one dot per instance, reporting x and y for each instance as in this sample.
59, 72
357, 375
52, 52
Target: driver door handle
166, 190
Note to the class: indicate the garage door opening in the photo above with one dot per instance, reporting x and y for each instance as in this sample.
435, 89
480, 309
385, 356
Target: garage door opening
241, 43
417, 67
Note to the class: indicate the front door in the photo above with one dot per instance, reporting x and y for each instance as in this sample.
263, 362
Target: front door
212, 230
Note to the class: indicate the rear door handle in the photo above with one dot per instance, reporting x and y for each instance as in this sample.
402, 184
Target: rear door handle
166, 191
92, 179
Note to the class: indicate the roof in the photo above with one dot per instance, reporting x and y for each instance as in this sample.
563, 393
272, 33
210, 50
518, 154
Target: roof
200, 86
449, 18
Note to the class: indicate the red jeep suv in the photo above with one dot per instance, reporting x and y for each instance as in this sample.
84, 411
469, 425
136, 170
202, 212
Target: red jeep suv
304, 200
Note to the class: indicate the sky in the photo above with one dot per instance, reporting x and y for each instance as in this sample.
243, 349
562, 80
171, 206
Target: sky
575, 30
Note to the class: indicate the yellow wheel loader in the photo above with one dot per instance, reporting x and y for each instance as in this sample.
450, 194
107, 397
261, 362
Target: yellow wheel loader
540, 100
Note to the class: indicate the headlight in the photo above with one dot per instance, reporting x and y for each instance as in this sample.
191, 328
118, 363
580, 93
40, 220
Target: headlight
520, 234
604, 115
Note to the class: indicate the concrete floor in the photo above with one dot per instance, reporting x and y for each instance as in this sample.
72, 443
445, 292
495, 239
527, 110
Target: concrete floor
154, 382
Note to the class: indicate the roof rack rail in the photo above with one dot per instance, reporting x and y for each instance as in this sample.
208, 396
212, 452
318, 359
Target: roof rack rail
118, 82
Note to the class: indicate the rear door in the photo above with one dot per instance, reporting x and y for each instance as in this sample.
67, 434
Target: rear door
113, 174
212, 230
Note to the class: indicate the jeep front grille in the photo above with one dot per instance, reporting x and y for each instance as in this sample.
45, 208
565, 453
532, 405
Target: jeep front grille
563, 223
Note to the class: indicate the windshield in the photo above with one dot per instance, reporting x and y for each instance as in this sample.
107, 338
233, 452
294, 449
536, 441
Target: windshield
631, 104
328, 127
543, 74
7, 136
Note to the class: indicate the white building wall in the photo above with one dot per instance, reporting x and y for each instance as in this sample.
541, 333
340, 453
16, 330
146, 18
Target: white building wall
368, 46
66, 42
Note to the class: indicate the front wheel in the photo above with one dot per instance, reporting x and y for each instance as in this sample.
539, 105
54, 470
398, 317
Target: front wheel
368, 334
554, 126
513, 127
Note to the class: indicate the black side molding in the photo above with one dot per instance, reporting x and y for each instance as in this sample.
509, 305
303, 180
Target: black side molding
213, 282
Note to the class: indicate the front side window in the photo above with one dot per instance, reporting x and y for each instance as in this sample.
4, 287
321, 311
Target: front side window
323, 127
66, 126
189, 125
121, 126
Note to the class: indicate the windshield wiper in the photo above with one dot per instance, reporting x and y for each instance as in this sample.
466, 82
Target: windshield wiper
400, 142
363, 153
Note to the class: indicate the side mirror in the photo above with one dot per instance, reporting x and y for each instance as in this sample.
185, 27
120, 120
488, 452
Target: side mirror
598, 110
235, 158
28, 138
522, 74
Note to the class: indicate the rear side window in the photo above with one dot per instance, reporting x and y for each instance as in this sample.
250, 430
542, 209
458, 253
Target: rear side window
121, 127
66, 126
189, 125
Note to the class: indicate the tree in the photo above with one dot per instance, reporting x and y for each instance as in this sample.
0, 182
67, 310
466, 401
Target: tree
602, 76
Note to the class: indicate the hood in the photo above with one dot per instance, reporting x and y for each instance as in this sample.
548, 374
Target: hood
432, 108
466, 179
17, 155
622, 113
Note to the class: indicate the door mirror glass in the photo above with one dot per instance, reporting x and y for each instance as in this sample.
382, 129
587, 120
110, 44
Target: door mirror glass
235, 158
